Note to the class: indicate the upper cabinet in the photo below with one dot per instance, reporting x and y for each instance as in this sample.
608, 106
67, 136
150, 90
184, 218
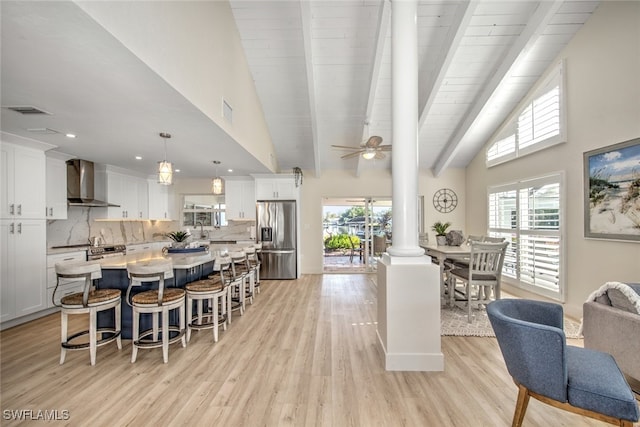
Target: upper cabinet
240, 200
280, 187
56, 188
160, 201
128, 191
22, 176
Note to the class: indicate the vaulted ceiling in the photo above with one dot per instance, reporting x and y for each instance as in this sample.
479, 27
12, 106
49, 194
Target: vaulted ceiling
322, 70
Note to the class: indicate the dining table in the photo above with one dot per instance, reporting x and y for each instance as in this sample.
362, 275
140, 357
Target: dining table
440, 253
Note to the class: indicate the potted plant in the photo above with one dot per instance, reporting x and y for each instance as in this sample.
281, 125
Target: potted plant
179, 238
441, 232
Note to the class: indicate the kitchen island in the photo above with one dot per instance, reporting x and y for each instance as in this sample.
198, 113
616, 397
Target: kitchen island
187, 267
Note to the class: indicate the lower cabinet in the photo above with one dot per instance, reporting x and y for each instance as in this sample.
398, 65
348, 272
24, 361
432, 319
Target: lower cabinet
22, 268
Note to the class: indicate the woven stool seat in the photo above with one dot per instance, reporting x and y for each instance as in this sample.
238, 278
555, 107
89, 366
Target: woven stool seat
151, 297
211, 300
205, 285
96, 297
88, 302
156, 302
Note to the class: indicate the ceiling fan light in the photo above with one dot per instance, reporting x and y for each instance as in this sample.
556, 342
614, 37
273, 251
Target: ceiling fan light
369, 154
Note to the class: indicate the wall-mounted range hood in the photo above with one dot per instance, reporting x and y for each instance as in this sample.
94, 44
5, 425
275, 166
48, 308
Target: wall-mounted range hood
81, 185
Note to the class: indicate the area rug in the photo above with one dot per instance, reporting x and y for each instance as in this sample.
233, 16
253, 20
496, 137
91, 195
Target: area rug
453, 322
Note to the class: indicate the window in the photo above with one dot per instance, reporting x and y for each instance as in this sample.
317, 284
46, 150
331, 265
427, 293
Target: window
538, 125
528, 214
205, 210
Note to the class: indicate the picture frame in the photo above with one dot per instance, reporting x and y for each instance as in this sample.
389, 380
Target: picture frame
612, 192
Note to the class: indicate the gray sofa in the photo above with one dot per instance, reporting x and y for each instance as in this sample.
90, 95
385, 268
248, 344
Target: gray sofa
611, 323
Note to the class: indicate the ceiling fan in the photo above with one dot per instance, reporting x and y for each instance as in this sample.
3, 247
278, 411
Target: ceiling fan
369, 150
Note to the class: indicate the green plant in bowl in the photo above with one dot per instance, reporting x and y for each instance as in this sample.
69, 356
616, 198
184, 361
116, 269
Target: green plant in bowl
180, 237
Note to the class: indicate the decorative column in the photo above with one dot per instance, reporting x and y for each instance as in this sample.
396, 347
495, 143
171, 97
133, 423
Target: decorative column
408, 283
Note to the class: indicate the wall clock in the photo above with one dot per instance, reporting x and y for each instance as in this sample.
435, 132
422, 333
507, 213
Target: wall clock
445, 200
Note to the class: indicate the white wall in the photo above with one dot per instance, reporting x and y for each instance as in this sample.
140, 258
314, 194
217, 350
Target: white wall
603, 93
337, 183
196, 48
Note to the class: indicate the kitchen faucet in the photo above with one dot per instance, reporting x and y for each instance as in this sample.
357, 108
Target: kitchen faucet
202, 233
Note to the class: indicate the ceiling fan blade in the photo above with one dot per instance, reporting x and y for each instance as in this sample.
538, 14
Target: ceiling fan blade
344, 147
380, 155
384, 148
373, 141
350, 155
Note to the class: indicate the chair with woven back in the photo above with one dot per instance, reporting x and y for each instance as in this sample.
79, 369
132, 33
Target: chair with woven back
575, 379
379, 244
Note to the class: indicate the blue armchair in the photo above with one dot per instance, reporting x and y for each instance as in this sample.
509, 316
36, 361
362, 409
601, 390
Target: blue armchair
543, 366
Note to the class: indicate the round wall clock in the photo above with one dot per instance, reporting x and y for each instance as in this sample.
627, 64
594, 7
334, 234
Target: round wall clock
445, 200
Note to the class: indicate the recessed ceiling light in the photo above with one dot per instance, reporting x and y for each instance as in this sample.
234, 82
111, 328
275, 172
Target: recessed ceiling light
70, 135
229, 170
176, 170
138, 158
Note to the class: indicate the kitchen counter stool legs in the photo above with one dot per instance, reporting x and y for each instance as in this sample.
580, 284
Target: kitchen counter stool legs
214, 290
90, 301
157, 302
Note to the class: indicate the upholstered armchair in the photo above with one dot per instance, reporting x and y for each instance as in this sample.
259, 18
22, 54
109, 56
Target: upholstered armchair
543, 366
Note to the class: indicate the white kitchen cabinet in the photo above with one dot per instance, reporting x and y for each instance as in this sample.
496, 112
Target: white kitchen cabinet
127, 191
145, 247
160, 201
281, 188
22, 176
240, 200
22, 267
56, 189
67, 286
143, 199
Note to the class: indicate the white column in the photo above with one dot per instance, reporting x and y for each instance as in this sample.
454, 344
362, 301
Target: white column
404, 93
408, 283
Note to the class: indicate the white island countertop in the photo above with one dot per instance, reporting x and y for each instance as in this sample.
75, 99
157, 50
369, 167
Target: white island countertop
179, 260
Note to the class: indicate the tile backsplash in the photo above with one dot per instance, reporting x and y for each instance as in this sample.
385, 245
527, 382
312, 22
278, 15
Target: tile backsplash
80, 225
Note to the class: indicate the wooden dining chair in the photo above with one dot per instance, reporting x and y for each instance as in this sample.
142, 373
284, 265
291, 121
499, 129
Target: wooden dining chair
483, 274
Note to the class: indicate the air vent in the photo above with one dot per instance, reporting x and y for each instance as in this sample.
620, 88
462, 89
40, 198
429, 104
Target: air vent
27, 109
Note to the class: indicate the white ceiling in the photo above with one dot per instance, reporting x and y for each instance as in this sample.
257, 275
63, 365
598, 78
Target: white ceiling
321, 69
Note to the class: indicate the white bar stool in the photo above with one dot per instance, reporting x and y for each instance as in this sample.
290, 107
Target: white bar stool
254, 261
158, 302
215, 290
239, 276
91, 301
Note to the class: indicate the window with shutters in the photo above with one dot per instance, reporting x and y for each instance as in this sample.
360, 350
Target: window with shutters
528, 214
539, 124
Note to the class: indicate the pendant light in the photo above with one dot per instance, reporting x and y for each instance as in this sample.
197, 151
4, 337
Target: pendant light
165, 169
216, 183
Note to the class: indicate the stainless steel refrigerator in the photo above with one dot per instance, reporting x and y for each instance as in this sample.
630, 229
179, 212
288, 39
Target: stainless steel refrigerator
276, 230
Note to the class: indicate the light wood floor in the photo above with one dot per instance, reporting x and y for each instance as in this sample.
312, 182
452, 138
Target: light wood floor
305, 354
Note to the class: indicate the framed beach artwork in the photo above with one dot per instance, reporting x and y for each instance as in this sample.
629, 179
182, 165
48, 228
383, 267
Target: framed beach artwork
612, 192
